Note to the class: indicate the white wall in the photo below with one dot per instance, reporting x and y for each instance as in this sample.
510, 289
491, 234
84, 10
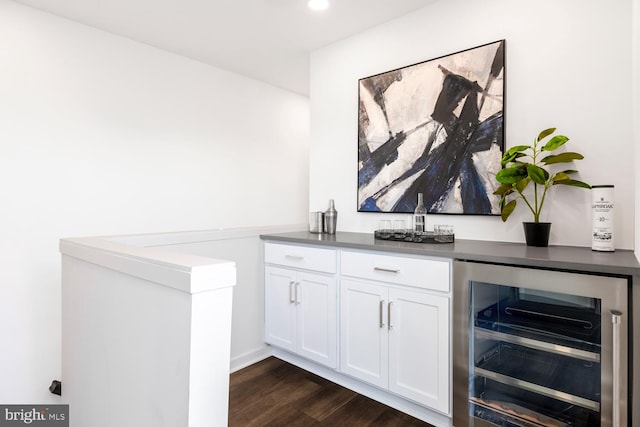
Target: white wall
100, 135
243, 246
568, 65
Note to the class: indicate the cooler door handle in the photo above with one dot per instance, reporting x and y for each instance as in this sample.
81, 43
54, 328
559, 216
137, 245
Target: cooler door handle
615, 319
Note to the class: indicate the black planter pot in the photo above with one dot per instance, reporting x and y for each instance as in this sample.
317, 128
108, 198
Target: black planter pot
537, 233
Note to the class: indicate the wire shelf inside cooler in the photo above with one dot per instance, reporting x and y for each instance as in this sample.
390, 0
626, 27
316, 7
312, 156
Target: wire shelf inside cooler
507, 406
569, 379
564, 325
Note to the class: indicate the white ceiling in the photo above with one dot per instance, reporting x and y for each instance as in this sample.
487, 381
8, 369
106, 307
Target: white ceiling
268, 40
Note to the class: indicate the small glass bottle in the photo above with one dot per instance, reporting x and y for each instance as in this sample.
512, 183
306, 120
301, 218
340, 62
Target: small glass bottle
420, 216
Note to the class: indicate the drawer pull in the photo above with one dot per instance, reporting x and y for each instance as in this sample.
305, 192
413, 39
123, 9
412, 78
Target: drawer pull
386, 270
296, 257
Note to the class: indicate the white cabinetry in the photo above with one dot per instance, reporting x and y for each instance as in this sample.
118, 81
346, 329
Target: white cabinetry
394, 324
300, 299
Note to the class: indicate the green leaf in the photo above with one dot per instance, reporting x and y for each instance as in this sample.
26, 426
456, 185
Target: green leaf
574, 183
507, 159
504, 189
555, 142
562, 158
517, 148
570, 171
507, 209
522, 184
513, 153
511, 175
537, 174
560, 176
517, 156
545, 133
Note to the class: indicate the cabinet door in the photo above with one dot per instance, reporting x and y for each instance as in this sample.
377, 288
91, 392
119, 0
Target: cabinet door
419, 347
363, 331
316, 317
280, 307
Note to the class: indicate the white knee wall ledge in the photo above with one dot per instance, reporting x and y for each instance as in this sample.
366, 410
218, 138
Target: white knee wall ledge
145, 335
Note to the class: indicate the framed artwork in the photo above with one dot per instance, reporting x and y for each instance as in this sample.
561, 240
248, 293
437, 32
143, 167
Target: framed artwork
435, 128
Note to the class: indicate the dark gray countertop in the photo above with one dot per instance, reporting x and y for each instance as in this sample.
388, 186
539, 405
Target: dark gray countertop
620, 262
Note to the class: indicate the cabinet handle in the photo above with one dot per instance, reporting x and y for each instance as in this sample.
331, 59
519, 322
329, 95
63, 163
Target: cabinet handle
297, 289
296, 257
389, 326
380, 318
291, 297
386, 270
615, 319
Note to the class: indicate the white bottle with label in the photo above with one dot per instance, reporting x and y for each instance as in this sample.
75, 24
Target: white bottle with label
602, 218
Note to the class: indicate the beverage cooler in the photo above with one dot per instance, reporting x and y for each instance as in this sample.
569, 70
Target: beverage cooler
538, 347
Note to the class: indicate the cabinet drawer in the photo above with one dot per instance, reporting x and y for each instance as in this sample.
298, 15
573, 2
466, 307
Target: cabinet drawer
421, 273
309, 258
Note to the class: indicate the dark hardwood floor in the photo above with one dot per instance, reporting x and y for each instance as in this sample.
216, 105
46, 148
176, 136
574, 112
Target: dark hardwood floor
276, 393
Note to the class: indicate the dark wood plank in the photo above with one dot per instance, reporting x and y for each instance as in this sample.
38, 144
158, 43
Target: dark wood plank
360, 411
329, 399
275, 393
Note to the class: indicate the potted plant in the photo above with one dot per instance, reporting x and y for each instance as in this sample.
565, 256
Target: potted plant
525, 164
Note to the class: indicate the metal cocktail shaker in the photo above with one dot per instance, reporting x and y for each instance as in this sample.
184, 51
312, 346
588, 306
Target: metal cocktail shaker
330, 218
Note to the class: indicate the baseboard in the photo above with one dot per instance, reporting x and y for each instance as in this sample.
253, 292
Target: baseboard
251, 357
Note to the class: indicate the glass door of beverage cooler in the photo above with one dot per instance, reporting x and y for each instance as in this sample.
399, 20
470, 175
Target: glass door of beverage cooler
541, 348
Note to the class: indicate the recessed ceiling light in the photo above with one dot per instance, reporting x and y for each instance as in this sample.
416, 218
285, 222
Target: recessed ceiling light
318, 4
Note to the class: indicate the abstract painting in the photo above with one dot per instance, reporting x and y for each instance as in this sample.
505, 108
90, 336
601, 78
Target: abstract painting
435, 128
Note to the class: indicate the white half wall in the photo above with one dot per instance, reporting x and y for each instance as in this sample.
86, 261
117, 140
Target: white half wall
100, 135
568, 65
146, 332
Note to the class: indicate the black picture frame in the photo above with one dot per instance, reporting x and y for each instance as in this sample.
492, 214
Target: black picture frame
437, 128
